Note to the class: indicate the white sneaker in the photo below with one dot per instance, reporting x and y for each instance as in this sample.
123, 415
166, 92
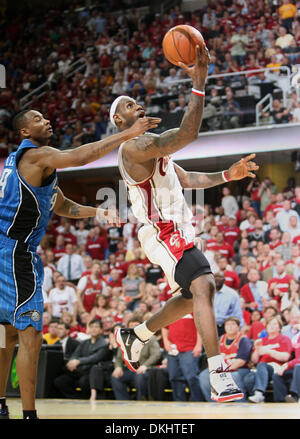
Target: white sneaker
130, 346
223, 387
257, 397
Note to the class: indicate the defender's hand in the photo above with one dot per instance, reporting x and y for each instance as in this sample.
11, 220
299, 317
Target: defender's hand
142, 125
243, 168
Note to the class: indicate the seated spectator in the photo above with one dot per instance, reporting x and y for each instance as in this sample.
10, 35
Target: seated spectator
292, 329
123, 377
78, 370
232, 113
226, 303
291, 300
51, 337
222, 247
279, 285
59, 249
62, 298
71, 265
239, 43
278, 113
133, 286
96, 244
284, 39
232, 280
268, 355
286, 381
258, 326
283, 217
100, 308
236, 350
81, 233
255, 292
68, 344
89, 287
183, 345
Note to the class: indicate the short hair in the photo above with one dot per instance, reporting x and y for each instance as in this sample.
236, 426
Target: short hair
233, 319
20, 120
66, 325
134, 319
96, 321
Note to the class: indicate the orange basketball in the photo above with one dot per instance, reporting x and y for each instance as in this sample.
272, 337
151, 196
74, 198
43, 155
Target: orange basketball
179, 44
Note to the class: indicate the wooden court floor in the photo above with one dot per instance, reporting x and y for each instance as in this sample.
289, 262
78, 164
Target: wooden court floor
106, 409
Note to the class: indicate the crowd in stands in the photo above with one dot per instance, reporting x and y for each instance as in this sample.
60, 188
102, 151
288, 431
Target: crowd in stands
121, 53
97, 276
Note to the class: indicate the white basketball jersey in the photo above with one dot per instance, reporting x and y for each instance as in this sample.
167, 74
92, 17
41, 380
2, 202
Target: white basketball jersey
159, 198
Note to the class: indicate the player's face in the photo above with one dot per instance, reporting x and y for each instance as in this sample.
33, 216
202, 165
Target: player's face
37, 128
128, 112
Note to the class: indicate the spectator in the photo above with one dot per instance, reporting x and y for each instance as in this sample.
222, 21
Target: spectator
78, 369
122, 376
268, 355
96, 244
232, 113
291, 300
286, 381
239, 43
283, 217
62, 298
59, 249
255, 292
71, 265
183, 345
258, 326
229, 202
287, 12
226, 303
279, 285
51, 337
89, 287
285, 39
292, 329
232, 280
222, 247
236, 350
81, 233
133, 286
68, 344
100, 308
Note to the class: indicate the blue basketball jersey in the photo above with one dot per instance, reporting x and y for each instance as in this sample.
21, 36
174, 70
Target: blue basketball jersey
25, 210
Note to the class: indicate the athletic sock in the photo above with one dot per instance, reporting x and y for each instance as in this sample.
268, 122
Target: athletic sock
142, 332
215, 362
29, 414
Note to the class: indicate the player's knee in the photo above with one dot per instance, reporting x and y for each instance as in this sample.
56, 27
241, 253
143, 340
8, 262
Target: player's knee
30, 340
204, 287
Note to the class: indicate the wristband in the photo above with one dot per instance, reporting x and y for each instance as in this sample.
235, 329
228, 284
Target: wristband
225, 176
198, 92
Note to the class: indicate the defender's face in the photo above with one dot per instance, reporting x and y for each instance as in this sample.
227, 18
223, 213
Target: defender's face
37, 128
128, 112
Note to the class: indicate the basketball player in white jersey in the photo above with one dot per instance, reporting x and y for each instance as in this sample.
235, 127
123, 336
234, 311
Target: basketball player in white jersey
167, 235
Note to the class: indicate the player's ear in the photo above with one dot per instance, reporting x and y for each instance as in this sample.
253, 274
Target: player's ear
117, 119
24, 132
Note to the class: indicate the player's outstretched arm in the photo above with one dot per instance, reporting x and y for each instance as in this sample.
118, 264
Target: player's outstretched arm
198, 180
47, 157
70, 209
152, 145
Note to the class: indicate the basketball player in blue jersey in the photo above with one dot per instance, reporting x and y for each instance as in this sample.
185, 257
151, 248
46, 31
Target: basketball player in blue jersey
29, 194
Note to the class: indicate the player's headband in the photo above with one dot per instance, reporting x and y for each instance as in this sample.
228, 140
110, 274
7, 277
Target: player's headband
114, 106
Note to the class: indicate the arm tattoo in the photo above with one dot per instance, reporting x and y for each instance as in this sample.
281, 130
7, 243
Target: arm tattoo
71, 208
197, 180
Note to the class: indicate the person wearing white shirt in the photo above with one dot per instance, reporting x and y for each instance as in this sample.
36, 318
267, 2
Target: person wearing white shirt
229, 203
48, 279
62, 298
293, 227
283, 217
81, 233
71, 265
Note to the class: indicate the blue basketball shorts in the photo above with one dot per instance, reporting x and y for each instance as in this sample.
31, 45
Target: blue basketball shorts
21, 278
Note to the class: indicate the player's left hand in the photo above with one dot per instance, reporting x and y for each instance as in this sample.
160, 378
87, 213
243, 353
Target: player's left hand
108, 215
243, 168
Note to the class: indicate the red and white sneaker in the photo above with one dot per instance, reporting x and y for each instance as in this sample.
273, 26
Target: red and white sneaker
130, 346
223, 387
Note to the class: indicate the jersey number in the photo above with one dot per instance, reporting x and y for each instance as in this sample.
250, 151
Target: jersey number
3, 181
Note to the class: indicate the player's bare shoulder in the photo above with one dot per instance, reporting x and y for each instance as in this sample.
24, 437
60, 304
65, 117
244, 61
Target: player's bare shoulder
139, 148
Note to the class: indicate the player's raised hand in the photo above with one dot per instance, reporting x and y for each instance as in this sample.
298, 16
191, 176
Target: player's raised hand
198, 72
243, 168
142, 125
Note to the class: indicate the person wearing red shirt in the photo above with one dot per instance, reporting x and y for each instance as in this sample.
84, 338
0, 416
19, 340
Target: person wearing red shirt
183, 345
96, 245
89, 287
59, 249
246, 208
231, 231
115, 279
268, 355
296, 240
275, 240
232, 280
279, 285
276, 204
221, 247
286, 382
